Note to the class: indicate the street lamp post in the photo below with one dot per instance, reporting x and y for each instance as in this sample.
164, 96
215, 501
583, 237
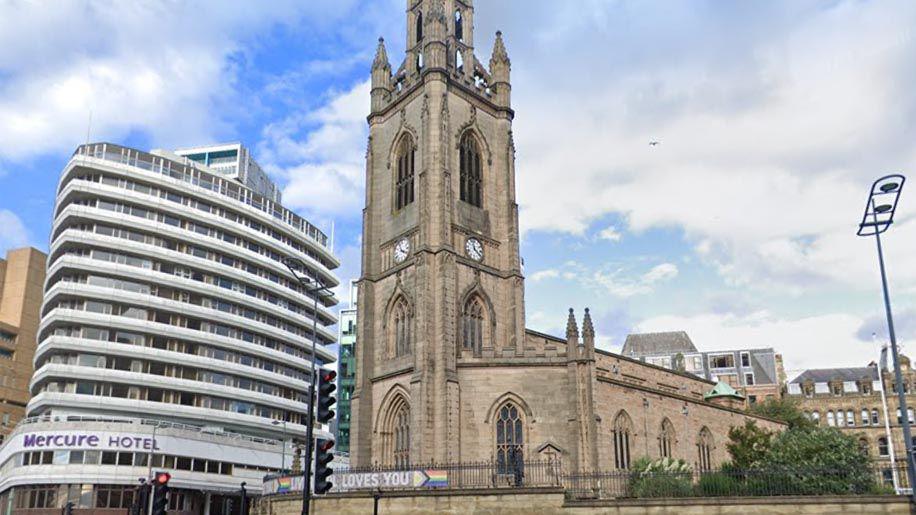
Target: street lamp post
312, 287
283, 443
878, 217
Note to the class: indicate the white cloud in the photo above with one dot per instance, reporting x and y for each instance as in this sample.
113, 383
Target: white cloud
321, 154
165, 69
542, 275
619, 282
13, 233
610, 233
771, 134
660, 273
809, 342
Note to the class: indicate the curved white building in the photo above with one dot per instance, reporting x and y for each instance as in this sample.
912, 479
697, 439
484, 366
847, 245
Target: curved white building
168, 304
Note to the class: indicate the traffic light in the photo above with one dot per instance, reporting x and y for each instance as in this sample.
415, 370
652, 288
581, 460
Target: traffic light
68, 509
323, 459
161, 493
326, 401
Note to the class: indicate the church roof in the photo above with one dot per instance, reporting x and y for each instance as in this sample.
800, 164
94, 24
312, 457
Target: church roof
825, 375
650, 344
722, 389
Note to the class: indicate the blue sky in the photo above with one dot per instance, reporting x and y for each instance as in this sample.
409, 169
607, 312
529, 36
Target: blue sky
739, 227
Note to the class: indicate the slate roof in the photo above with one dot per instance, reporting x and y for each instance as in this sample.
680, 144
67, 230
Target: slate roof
825, 375
651, 344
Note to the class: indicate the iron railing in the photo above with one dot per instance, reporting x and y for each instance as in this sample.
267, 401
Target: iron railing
874, 480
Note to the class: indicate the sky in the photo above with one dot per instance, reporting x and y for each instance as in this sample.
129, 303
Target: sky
739, 227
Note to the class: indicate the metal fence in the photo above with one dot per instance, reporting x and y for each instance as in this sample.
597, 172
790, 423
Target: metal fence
480, 475
874, 480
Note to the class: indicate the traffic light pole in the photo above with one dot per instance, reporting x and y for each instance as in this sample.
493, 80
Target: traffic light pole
313, 394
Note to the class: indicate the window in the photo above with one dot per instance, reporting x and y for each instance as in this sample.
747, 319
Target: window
470, 171
419, 26
882, 447
830, 420
472, 325
840, 419
749, 379
837, 388
510, 440
401, 331
666, 439
459, 26
722, 361
850, 418
816, 417
704, 449
874, 417
745, 359
622, 431
863, 446
405, 178
865, 418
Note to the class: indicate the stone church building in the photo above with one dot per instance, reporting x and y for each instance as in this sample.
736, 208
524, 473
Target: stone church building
446, 370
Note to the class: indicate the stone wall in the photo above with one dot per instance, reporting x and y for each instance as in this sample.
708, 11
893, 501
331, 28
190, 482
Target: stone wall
552, 502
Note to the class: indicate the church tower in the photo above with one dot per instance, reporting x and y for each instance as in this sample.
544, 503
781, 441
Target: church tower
441, 283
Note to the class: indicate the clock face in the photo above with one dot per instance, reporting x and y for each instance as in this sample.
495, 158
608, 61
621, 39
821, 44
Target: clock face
401, 250
474, 249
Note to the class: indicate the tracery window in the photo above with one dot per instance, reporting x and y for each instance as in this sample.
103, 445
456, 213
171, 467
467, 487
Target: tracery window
402, 437
472, 324
666, 439
510, 439
704, 449
401, 331
404, 194
622, 431
470, 171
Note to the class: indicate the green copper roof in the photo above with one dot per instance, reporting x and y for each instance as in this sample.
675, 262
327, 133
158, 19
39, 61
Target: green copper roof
722, 390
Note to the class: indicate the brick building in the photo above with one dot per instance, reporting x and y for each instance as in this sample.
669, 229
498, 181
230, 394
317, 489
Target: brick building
446, 370
22, 277
852, 399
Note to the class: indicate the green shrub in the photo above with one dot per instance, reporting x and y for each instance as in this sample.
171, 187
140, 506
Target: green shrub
661, 478
719, 484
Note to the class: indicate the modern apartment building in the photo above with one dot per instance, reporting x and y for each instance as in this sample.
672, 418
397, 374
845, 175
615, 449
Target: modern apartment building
756, 373
22, 277
172, 337
233, 160
346, 372
861, 401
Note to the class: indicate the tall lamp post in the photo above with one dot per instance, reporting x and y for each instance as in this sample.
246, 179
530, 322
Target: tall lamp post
283, 442
878, 217
314, 288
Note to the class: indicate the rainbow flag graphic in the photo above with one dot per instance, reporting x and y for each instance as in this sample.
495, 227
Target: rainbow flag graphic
284, 485
437, 478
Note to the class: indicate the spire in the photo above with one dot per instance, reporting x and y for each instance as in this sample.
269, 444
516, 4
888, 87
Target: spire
588, 330
500, 56
500, 69
572, 330
381, 56
381, 77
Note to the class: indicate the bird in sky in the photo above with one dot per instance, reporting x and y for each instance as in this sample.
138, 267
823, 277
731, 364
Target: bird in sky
654, 143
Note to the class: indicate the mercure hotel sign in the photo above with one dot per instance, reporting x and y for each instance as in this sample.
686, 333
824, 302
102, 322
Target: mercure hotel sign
88, 441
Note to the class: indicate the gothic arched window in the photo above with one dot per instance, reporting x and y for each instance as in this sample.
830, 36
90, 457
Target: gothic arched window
704, 449
402, 437
472, 324
470, 171
401, 332
404, 187
510, 439
395, 432
419, 27
459, 26
666, 439
622, 430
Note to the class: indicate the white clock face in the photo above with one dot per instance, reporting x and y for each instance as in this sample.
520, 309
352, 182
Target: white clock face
474, 249
401, 250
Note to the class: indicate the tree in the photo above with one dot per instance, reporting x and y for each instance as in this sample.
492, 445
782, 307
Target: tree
748, 444
819, 461
785, 410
